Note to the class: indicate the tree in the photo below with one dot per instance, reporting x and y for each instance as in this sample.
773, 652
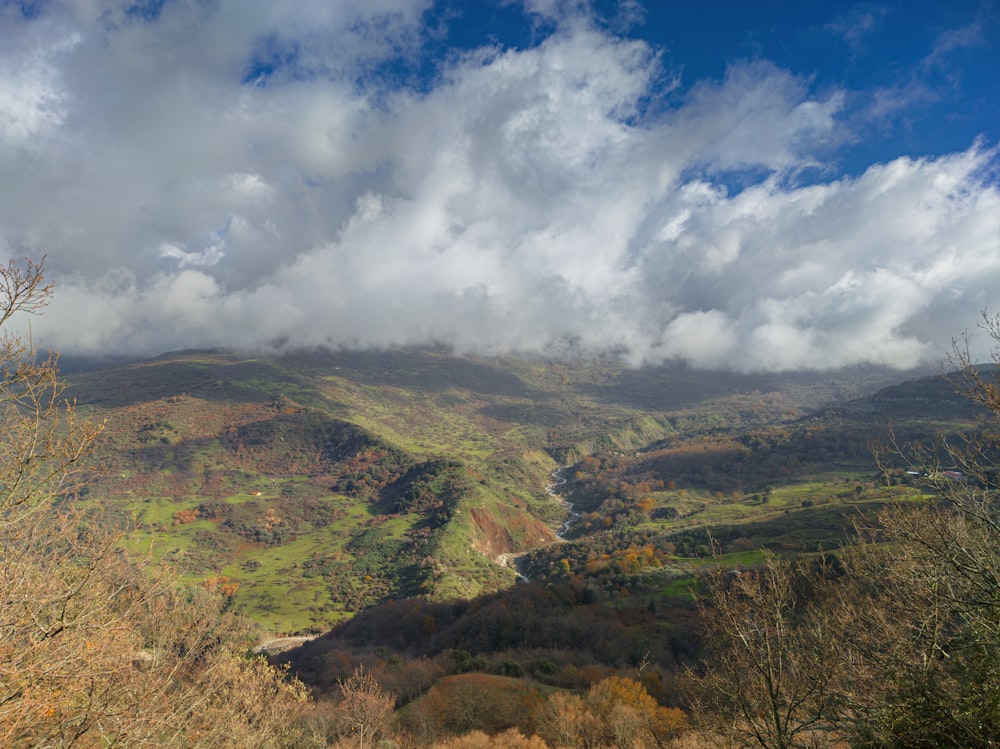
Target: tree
773, 673
614, 712
936, 654
929, 601
98, 648
925, 670
509, 739
365, 707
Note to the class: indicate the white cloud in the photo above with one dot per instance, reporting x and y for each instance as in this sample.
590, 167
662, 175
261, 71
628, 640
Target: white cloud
525, 200
706, 339
210, 256
759, 117
33, 101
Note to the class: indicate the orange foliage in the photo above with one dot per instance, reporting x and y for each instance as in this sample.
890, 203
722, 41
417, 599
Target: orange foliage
182, 517
221, 584
615, 712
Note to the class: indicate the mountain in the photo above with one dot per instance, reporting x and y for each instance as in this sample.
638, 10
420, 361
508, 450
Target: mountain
313, 485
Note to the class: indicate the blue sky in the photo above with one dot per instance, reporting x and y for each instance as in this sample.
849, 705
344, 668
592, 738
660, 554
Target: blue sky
762, 186
931, 66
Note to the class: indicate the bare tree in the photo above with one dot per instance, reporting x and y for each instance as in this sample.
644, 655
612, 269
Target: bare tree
365, 708
773, 674
934, 588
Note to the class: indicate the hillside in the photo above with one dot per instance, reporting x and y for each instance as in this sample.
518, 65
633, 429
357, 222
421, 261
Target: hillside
794, 486
314, 485
615, 597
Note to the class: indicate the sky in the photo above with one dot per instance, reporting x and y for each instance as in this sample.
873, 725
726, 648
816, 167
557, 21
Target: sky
762, 186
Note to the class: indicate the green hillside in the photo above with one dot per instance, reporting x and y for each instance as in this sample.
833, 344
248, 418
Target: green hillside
314, 485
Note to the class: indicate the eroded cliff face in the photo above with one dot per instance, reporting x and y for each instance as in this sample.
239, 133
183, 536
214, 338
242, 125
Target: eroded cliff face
514, 532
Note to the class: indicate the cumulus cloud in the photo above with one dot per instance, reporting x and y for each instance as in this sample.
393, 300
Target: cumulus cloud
239, 174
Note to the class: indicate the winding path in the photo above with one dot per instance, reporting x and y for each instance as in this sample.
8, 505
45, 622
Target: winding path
551, 490
510, 559
280, 644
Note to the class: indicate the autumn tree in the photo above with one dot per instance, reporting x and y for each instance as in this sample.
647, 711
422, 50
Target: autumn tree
365, 708
96, 647
616, 711
461, 703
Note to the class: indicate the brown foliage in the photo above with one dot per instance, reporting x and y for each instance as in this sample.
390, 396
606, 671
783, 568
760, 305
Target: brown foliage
614, 712
365, 708
183, 517
510, 739
466, 702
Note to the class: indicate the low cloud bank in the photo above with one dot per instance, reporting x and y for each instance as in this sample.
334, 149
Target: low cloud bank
230, 174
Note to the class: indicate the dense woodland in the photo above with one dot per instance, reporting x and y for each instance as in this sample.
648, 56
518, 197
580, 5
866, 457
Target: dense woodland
738, 574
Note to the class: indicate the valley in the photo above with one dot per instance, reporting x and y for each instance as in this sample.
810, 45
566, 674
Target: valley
312, 486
